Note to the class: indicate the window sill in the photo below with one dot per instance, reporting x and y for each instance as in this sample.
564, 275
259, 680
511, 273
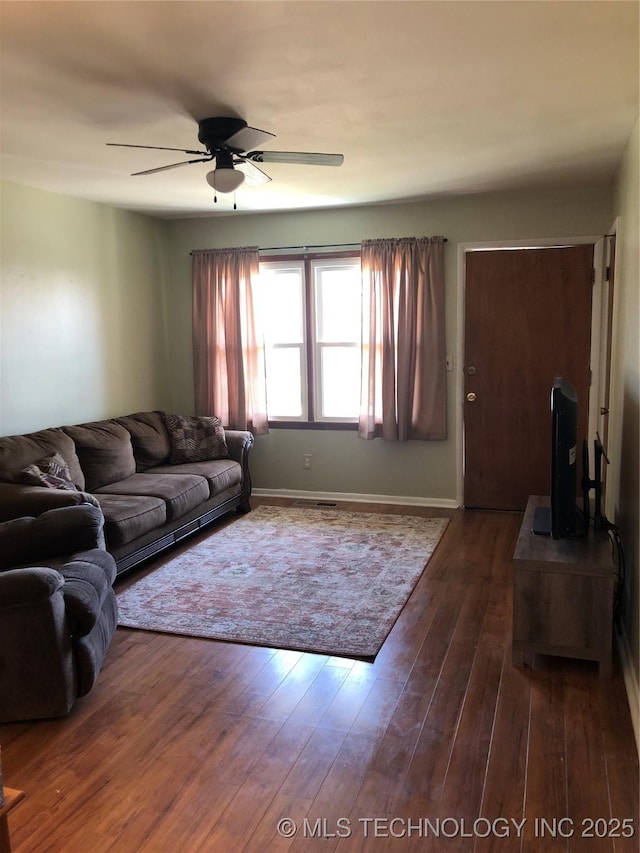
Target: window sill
317, 425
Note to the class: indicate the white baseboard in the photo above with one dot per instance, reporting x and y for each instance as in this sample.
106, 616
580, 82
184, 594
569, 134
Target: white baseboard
399, 500
630, 681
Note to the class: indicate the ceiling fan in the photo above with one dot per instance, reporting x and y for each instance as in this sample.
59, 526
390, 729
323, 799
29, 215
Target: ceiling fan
229, 141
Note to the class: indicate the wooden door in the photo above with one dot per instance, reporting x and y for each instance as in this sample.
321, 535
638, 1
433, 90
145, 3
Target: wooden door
527, 320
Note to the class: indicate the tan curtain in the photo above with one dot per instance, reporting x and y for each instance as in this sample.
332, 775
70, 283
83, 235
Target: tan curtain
228, 353
403, 341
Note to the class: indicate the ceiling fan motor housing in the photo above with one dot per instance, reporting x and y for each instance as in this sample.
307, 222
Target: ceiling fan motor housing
214, 132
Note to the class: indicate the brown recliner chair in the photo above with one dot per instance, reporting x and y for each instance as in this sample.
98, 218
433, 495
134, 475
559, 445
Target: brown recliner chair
58, 610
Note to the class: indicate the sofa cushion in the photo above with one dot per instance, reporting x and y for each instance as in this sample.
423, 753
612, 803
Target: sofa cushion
51, 472
149, 438
194, 438
18, 451
128, 516
180, 491
105, 452
220, 474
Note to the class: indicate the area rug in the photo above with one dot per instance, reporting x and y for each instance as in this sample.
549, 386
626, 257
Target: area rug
311, 579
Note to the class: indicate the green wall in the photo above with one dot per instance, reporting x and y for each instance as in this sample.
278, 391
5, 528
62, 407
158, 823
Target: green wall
420, 472
82, 330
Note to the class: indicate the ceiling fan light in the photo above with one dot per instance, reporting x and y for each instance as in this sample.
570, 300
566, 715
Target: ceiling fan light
225, 179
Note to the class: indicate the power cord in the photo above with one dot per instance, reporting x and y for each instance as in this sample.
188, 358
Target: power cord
617, 550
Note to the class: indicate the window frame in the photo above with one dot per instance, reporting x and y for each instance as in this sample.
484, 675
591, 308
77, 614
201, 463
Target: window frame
310, 381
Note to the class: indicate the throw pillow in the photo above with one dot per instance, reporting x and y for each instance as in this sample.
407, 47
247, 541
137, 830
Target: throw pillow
195, 439
52, 472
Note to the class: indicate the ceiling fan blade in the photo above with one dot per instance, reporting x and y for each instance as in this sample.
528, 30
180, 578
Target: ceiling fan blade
248, 137
172, 166
155, 148
302, 157
254, 176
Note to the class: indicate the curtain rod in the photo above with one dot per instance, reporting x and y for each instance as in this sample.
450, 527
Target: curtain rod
317, 246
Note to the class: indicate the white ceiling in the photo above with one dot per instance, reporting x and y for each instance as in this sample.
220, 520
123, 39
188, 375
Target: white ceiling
423, 98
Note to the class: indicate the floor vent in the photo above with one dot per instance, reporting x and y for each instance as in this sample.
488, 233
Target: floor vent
324, 504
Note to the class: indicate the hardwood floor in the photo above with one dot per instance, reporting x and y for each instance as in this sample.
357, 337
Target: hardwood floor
439, 745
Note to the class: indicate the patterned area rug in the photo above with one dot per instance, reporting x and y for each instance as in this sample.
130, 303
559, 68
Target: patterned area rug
317, 580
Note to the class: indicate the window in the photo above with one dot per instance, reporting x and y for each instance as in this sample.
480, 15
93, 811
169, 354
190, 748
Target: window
311, 314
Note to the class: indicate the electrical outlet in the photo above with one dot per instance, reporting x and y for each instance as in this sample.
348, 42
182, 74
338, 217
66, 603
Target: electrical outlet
306, 461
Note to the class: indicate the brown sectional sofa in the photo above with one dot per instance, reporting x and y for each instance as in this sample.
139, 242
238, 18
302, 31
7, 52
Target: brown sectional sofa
127, 466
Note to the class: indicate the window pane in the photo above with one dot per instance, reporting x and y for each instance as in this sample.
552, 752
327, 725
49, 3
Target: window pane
282, 305
284, 383
338, 304
340, 394
331, 304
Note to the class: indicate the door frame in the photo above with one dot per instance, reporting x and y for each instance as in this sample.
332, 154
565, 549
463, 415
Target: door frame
614, 442
603, 334
488, 246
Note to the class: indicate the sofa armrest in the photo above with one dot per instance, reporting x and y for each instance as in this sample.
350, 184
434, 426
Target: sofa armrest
56, 533
26, 587
37, 673
94, 560
85, 582
88, 580
67, 530
17, 500
239, 443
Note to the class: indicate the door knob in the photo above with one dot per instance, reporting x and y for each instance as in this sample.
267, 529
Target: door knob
472, 396
471, 370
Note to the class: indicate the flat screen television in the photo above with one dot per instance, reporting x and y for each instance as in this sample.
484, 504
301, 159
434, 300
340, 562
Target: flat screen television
560, 519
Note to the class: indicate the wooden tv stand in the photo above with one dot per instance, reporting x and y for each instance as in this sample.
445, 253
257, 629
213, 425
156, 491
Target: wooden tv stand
563, 593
